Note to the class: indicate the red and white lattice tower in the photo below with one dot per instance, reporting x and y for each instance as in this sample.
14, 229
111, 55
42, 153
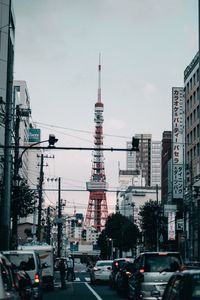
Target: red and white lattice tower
97, 210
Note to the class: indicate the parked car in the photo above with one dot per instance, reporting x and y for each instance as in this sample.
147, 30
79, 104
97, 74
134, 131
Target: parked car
101, 271
122, 277
8, 287
183, 285
28, 261
152, 271
116, 266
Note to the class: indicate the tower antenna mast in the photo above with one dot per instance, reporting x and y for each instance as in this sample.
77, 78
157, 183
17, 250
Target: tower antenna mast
97, 210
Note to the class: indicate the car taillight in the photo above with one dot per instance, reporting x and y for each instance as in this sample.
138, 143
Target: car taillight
37, 278
141, 270
96, 269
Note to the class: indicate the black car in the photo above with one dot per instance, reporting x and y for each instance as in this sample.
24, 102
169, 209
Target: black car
23, 284
183, 285
122, 276
116, 266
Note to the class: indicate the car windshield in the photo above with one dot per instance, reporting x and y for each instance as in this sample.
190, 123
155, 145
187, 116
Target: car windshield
22, 261
161, 263
196, 286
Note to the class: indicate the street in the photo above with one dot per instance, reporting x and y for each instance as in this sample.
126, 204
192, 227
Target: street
81, 289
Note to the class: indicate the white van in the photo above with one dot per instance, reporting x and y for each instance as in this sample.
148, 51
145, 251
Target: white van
45, 253
28, 261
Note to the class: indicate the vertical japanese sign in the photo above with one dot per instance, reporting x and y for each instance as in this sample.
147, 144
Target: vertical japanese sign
171, 225
178, 137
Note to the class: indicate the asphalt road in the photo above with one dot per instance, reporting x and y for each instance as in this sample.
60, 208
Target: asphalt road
81, 289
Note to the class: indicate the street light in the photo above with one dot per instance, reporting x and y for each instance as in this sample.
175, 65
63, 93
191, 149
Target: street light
51, 140
18, 164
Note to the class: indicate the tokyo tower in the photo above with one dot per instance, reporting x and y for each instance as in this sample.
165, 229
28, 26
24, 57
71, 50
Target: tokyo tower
97, 210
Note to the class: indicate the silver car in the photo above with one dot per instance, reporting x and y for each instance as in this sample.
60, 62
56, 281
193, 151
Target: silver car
152, 271
101, 271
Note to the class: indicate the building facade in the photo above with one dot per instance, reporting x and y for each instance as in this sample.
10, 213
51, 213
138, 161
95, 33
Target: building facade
166, 170
26, 135
155, 163
147, 161
192, 158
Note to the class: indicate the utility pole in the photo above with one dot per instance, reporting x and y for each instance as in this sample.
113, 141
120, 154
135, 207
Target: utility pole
59, 220
48, 239
5, 228
14, 240
157, 221
40, 197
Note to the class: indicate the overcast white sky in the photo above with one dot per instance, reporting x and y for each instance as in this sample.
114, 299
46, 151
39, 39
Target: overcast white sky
145, 46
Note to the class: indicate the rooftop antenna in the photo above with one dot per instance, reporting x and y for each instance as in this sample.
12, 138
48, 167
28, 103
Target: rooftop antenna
99, 85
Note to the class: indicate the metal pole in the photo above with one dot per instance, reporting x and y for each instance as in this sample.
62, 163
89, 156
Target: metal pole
5, 229
157, 221
14, 241
59, 219
48, 239
40, 198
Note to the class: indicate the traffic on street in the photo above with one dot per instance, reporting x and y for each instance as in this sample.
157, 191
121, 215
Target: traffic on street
81, 287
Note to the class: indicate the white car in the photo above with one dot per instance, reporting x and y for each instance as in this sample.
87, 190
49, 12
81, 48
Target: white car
101, 271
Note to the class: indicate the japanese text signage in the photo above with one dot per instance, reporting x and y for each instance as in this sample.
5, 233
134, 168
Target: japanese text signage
171, 225
178, 136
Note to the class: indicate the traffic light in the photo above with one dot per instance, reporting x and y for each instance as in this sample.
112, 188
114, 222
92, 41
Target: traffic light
52, 140
135, 144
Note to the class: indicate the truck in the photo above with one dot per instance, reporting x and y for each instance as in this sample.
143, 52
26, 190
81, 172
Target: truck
45, 253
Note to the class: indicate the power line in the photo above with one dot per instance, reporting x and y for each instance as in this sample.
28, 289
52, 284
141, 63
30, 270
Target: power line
82, 131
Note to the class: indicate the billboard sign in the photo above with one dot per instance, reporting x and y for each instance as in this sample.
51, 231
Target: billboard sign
178, 138
34, 135
171, 225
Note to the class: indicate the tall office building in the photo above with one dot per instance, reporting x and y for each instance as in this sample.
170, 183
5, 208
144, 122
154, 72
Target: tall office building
155, 163
191, 83
166, 166
130, 157
147, 161
192, 156
22, 122
28, 135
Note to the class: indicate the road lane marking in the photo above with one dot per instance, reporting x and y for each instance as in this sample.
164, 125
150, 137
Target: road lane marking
77, 279
93, 291
87, 278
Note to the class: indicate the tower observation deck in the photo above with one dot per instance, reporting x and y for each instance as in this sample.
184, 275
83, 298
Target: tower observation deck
97, 210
